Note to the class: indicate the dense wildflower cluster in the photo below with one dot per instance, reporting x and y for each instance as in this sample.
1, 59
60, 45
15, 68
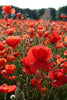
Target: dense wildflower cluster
33, 57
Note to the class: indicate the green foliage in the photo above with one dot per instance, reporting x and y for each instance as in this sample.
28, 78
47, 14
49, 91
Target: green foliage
61, 10
53, 13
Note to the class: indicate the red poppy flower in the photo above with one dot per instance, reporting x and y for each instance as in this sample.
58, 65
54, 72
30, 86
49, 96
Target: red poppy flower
10, 31
3, 62
63, 16
37, 84
3, 72
10, 69
39, 53
57, 56
8, 10
13, 11
19, 15
57, 74
40, 32
46, 34
31, 32
59, 45
16, 54
65, 66
60, 82
32, 24
13, 41
22, 18
6, 89
2, 53
10, 22
54, 37
33, 82
2, 46
37, 58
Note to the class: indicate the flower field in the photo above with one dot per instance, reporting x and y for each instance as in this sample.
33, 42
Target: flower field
33, 58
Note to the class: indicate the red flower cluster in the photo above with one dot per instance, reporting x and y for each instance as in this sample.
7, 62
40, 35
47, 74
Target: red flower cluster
37, 83
37, 58
46, 69
59, 76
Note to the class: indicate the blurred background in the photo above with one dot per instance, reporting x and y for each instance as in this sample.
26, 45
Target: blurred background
36, 9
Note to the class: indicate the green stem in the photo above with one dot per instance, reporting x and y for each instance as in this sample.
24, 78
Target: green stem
50, 93
5, 96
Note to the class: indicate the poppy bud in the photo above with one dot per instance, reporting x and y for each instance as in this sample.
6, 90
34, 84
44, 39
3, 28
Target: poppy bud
19, 15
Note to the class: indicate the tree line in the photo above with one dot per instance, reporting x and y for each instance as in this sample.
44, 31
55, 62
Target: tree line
38, 13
